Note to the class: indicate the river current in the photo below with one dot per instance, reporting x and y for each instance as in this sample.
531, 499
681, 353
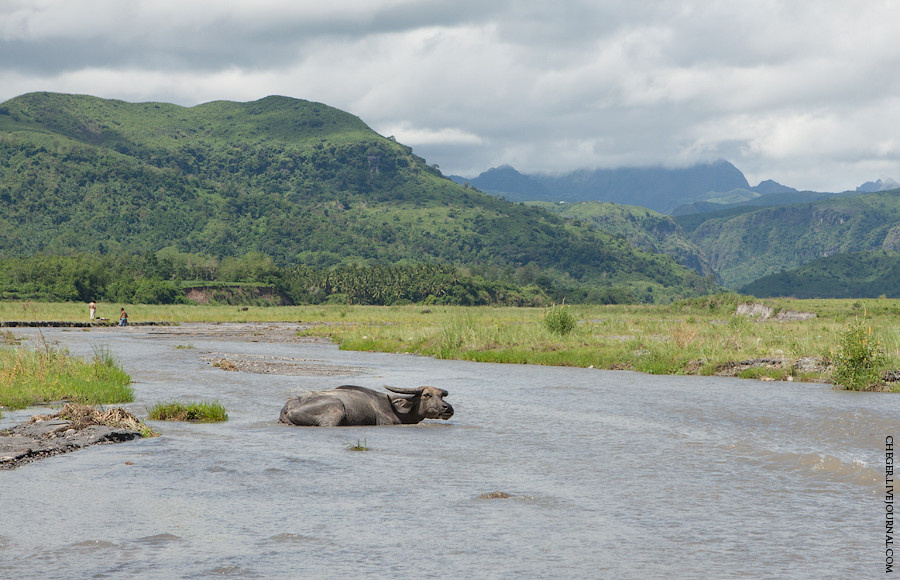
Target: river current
543, 472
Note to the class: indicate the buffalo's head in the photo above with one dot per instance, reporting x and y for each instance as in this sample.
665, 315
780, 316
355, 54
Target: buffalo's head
426, 402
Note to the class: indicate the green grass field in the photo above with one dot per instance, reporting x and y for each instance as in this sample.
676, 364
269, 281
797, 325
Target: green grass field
700, 336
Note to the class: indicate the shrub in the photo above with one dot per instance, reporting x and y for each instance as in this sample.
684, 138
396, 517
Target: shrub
200, 412
558, 320
858, 360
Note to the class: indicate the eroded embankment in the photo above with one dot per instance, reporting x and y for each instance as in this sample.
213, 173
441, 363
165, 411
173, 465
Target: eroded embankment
73, 428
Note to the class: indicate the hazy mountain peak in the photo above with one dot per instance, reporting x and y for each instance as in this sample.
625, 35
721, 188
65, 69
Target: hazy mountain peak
879, 185
769, 186
658, 188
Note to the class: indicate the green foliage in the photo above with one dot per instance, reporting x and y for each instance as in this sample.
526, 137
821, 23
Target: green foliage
45, 374
867, 274
744, 246
196, 412
83, 278
859, 358
644, 228
558, 319
431, 284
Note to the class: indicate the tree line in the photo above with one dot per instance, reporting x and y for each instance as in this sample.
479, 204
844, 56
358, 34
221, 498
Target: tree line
164, 276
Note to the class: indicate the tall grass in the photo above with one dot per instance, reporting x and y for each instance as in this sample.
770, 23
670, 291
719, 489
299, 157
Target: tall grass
196, 412
47, 373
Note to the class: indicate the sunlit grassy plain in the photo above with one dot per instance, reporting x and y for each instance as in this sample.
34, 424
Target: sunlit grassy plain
688, 337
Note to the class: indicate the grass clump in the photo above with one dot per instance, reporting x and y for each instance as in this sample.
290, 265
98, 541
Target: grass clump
194, 412
858, 360
35, 376
358, 447
559, 320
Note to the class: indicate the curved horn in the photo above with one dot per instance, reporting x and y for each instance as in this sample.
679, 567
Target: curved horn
400, 391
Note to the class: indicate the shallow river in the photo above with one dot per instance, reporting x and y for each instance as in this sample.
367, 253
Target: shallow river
609, 474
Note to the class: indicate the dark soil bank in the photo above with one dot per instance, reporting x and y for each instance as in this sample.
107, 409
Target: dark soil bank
38, 439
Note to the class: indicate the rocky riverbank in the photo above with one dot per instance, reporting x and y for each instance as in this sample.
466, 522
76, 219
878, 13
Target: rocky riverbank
73, 428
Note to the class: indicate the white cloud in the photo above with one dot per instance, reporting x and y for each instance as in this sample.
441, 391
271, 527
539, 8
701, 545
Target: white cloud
407, 134
800, 91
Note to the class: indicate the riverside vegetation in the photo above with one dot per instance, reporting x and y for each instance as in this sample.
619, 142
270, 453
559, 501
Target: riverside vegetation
32, 376
702, 336
195, 412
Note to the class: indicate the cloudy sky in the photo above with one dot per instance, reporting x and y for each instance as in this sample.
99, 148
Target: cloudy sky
806, 92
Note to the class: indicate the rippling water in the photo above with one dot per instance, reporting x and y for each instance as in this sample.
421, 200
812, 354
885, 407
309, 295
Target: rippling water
609, 475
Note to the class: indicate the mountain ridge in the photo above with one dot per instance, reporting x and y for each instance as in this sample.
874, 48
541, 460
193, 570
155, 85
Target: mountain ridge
298, 181
656, 187
699, 188
745, 244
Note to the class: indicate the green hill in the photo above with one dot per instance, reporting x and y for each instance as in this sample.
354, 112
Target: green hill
298, 181
859, 275
743, 245
644, 228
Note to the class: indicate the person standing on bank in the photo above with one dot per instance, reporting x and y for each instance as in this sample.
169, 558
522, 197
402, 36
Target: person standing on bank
93, 308
123, 318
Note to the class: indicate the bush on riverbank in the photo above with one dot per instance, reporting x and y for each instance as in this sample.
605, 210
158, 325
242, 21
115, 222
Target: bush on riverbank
559, 320
195, 412
47, 373
859, 359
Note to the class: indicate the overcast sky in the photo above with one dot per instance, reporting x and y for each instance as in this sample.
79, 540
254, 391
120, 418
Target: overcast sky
805, 92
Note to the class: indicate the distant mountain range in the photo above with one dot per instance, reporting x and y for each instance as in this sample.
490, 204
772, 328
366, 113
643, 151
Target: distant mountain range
304, 183
698, 188
658, 188
744, 244
880, 185
722, 224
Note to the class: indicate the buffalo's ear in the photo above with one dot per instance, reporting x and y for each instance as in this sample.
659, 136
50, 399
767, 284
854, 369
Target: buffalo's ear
444, 393
401, 404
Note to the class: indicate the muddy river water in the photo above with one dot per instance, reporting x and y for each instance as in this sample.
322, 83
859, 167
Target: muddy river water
542, 473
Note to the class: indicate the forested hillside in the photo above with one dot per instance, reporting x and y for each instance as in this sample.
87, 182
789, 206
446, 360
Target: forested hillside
860, 275
743, 245
644, 228
300, 182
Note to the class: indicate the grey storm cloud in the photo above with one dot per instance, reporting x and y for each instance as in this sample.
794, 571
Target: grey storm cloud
801, 91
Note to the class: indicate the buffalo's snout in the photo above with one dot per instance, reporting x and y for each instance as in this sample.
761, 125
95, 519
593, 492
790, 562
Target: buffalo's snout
446, 410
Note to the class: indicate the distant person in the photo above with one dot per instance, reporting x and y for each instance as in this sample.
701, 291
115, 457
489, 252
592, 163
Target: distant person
123, 318
93, 308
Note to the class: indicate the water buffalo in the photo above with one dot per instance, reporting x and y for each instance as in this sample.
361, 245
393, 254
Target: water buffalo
351, 405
